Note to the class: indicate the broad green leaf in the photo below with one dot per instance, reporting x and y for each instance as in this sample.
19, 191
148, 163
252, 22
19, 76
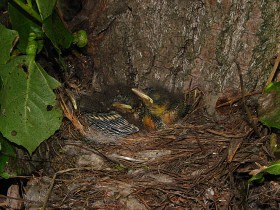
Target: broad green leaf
55, 30
6, 43
45, 7
22, 23
29, 113
273, 168
271, 118
6, 151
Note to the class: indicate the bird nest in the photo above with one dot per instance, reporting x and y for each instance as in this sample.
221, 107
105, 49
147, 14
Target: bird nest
195, 164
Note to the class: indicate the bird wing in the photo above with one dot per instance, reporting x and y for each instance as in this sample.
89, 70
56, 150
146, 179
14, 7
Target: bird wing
111, 123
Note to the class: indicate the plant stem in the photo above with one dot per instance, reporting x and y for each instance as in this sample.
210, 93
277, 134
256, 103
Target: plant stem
29, 3
28, 9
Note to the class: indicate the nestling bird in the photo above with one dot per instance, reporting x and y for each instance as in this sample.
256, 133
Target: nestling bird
114, 120
160, 108
111, 123
151, 108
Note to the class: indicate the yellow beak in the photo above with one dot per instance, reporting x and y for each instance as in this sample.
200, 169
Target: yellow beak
122, 107
144, 97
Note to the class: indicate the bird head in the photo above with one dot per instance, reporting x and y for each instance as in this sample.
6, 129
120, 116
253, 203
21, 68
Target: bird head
161, 107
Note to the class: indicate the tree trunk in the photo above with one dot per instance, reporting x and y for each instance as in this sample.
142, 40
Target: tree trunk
178, 43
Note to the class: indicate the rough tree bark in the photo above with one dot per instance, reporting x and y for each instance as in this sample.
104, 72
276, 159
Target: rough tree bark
174, 42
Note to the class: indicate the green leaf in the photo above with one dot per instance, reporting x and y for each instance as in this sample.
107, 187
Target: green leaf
6, 151
29, 111
256, 178
7, 40
45, 7
273, 168
271, 118
56, 32
272, 86
269, 106
22, 23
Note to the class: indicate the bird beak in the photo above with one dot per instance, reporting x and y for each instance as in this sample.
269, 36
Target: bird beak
123, 107
144, 97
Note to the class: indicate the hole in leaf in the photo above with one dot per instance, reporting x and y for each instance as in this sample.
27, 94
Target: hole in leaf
49, 108
13, 133
25, 68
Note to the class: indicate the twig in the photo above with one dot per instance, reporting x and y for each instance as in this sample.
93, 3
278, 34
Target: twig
70, 116
226, 135
248, 113
237, 98
97, 152
19, 199
272, 74
53, 181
